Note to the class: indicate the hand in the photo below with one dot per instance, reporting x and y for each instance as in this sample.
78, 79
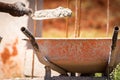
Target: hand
18, 9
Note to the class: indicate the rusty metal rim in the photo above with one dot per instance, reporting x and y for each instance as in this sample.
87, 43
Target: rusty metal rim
108, 38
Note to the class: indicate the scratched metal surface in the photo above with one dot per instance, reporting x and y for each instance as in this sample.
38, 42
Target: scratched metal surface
77, 55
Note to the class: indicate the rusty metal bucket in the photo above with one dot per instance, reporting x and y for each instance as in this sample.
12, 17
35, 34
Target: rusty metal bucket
75, 55
78, 55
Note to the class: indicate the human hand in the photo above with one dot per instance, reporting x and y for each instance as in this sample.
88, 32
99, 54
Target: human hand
18, 9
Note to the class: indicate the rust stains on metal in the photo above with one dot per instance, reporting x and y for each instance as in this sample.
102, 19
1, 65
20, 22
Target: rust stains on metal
77, 55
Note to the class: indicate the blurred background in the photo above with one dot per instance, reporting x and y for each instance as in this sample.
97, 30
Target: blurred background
93, 19
90, 19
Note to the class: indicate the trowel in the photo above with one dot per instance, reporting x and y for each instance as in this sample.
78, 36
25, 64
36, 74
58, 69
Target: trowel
59, 12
